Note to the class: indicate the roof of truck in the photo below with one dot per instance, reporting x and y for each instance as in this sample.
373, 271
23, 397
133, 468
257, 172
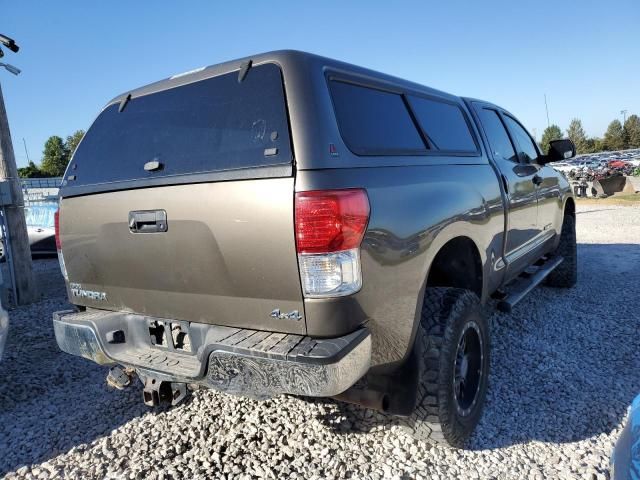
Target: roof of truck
291, 61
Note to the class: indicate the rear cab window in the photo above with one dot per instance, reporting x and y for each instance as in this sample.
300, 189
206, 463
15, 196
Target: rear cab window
374, 122
208, 126
444, 124
378, 122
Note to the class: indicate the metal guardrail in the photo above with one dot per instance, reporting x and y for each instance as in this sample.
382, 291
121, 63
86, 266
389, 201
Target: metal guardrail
36, 190
52, 182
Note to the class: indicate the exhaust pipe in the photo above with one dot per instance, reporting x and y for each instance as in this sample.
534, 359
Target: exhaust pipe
366, 398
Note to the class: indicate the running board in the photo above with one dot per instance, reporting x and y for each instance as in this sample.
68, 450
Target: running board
527, 281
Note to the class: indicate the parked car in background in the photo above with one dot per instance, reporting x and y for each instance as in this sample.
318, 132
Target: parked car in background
617, 164
39, 218
40, 227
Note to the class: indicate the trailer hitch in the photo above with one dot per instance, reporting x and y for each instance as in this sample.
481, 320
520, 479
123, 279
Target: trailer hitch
157, 392
119, 377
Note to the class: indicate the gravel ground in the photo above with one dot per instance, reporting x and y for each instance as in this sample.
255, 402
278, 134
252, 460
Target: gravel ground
564, 370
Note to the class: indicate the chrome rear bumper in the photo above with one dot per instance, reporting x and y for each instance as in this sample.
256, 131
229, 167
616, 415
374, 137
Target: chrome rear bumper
240, 361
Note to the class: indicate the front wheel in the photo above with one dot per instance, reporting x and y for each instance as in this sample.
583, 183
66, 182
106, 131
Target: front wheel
452, 347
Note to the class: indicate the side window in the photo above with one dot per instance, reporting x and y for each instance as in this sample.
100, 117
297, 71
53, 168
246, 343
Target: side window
444, 123
526, 148
374, 122
497, 135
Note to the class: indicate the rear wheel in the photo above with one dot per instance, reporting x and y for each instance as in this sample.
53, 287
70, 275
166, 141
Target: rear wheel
565, 275
452, 347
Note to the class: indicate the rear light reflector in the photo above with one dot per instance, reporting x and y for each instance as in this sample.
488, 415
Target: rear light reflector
330, 226
330, 274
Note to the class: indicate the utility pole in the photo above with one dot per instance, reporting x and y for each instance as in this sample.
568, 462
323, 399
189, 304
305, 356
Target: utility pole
624, 116
17, 242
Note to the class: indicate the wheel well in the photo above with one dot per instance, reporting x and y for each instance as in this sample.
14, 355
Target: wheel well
457, 264
570, 207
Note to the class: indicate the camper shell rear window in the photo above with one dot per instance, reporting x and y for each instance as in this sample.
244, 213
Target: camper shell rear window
186, 134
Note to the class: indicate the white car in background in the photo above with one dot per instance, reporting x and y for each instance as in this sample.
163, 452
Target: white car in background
563, 167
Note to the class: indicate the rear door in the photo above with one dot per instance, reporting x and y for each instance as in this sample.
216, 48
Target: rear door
518, 180
179, 204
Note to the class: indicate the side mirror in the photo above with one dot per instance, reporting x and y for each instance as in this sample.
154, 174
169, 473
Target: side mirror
562, 149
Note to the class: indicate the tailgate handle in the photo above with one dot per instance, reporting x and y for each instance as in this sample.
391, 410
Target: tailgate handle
148, 221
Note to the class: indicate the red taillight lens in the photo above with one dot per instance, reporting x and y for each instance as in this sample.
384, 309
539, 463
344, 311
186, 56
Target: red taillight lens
330, 220
56, 220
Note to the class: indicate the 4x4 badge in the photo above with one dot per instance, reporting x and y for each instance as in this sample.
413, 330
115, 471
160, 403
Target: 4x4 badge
294, 315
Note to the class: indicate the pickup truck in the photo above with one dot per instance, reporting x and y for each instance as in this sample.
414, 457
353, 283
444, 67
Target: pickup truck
291, 224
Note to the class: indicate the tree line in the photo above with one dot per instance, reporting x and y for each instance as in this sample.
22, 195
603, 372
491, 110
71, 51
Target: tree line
617, 136
55, 157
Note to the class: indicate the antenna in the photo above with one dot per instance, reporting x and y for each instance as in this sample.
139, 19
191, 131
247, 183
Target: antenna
25, 150
547, 109
624, 116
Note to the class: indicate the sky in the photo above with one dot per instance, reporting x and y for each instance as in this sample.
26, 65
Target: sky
77, 55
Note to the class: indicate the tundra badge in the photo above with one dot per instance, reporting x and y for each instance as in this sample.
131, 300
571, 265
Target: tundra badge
78, 291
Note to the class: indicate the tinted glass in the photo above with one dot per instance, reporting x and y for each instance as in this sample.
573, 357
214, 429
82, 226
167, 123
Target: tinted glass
374, 122
206, 126
526, 148
497, 135
444, 123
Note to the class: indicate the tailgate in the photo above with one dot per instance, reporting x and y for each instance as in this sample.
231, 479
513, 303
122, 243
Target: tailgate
178, 203
227, 257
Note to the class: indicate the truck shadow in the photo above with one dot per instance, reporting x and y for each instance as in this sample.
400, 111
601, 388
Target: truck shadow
69, 409
564, 364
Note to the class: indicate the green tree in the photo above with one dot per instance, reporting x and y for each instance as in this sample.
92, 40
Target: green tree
72, 142
30, 171
55, 157
613, 139
593, 145
631, 132
576, 133
552, 132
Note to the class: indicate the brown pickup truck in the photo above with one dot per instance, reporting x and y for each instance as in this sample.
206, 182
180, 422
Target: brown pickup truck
291, 224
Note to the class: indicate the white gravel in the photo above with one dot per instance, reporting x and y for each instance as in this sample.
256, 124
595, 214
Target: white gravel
564, 368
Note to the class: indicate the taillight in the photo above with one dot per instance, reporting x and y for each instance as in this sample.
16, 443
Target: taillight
329, 227
56, 221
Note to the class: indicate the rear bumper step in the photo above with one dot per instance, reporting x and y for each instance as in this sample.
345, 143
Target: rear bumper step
240, 361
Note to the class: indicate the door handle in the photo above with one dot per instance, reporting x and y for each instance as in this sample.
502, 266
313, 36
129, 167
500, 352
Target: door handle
537, 180
148, 221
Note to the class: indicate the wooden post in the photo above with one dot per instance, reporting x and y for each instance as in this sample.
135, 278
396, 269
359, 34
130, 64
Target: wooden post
26, 289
